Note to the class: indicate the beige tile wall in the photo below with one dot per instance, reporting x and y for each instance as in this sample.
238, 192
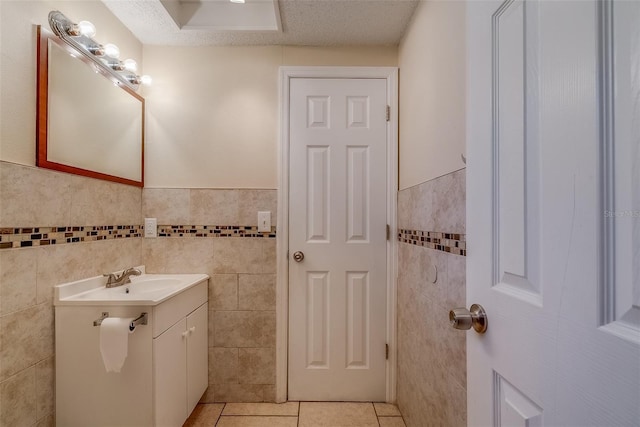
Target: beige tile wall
32, 197
431, 354
241, 289
431, 386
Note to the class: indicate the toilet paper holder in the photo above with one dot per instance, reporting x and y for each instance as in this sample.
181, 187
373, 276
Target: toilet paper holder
140, 320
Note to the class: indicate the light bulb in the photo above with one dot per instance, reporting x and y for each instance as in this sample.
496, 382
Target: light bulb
145, 80
130, 65
111, 50
87, 29
236, 1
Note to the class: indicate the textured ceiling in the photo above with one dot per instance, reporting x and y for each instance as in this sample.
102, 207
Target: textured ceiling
304, 22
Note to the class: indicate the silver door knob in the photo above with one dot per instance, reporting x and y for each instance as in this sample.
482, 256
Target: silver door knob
476, 317
298, 256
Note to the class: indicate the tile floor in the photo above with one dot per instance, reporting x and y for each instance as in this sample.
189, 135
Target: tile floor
296, 414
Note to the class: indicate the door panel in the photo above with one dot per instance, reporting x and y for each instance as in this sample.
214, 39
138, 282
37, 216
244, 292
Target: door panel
552, 147
358, 319
337, 211
516, 152
318, 206
512, 408
621, 175
318, 320
358, 111
318, 112
358, 194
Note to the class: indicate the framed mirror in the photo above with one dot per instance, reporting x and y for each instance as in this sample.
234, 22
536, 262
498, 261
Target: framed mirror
87, 123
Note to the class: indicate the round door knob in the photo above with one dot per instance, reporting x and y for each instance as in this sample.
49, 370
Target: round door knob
476, 317
298, 256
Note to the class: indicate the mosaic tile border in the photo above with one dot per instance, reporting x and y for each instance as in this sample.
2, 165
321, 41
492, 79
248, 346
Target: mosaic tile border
447, 242
213, 231
12, 238
25, 237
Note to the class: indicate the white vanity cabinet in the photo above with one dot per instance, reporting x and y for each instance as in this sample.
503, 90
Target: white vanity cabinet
180, 363
197, 356
166, 369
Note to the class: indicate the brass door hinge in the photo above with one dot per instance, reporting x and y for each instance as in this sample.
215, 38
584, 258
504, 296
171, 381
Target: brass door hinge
386, 351
388, 232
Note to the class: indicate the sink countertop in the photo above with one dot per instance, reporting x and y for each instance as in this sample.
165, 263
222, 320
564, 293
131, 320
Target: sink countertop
146, 289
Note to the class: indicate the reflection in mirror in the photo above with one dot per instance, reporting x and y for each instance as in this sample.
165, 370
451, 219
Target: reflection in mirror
86, 124
92, 122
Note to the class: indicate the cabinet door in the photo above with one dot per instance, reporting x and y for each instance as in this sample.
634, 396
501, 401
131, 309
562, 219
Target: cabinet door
197, 360
170, 360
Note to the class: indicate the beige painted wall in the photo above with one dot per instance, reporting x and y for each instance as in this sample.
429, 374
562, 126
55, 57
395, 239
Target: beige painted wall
432, 92
212, 112
18, 64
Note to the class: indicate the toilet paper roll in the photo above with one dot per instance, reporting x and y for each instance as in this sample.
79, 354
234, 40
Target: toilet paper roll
114, 340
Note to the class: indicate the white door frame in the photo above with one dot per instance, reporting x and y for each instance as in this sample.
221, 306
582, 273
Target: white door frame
282, 239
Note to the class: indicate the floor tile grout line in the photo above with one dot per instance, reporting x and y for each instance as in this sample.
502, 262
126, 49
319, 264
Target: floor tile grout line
297, 416
224, 405
376, 413
260, 415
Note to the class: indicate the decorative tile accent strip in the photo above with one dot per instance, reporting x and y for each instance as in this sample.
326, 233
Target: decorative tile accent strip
446, 242
11, 238
213, 231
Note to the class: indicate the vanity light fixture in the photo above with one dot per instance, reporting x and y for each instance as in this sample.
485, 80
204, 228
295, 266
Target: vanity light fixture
237, 1
79, 36
95, 49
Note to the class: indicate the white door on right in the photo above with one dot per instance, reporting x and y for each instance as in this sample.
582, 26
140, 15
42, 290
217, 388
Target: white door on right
553, 215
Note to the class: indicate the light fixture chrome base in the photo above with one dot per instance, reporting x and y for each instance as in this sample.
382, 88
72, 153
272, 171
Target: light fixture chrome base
67, 30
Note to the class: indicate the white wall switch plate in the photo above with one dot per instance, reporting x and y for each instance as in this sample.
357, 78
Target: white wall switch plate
150, 227
264, 221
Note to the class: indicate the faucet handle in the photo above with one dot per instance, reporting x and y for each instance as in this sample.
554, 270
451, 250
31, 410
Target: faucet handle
125, 277
111, 278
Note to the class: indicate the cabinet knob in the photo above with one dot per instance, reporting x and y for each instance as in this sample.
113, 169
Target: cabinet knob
188, 332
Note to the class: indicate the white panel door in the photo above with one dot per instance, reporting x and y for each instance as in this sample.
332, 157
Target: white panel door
337, 211
553, 212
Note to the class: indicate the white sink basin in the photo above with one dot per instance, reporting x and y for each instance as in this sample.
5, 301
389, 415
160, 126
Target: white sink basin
146, 289
148, 283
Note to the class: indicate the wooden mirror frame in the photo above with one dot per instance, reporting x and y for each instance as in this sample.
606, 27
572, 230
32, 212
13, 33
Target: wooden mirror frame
42, 110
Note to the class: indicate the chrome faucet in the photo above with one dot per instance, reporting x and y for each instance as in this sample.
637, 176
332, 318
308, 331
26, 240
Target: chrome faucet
114, 280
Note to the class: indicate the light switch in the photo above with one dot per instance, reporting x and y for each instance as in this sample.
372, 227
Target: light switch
150, 227
264, 221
